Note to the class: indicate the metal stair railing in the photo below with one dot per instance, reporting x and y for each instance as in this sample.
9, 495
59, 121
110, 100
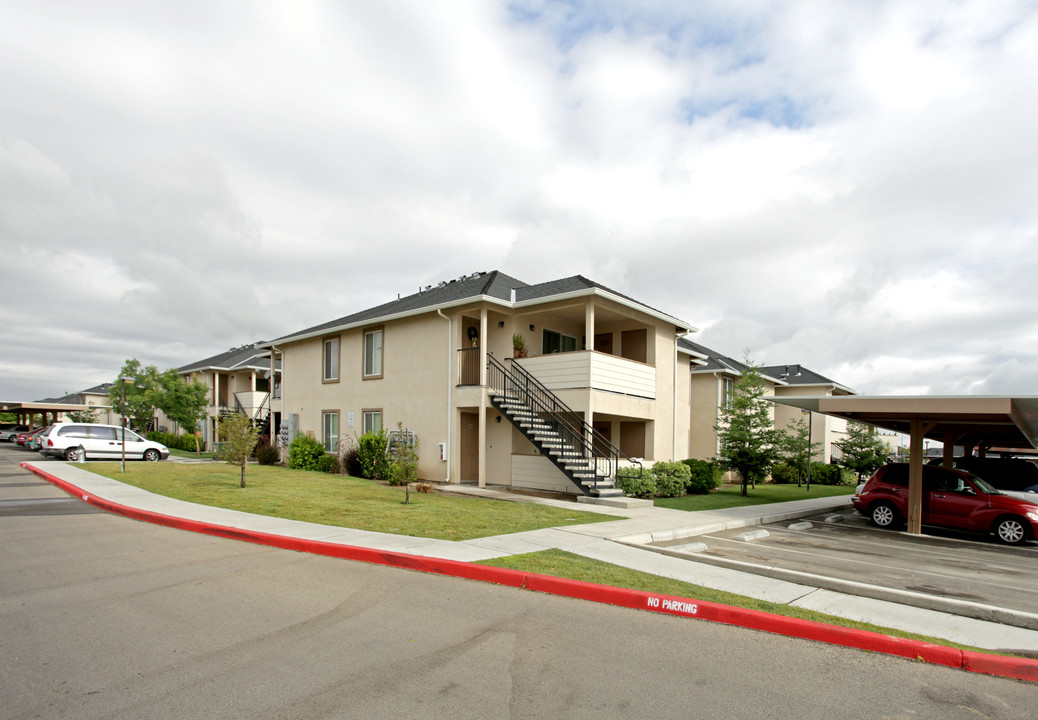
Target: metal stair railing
594, 447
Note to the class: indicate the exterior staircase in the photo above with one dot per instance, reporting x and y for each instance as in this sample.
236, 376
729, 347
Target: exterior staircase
583, 455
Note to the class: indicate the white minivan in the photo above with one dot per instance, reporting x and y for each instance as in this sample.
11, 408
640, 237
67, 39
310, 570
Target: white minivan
100, 442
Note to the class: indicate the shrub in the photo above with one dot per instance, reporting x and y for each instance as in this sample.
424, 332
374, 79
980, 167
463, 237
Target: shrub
329, 464
825, 474
783, 473
671, 478
304, 452
267, 454
627, 480
371, 451
351, 462
705, 476
180, 442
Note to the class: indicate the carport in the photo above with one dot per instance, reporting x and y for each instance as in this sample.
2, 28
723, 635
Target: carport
25, 410
976, 422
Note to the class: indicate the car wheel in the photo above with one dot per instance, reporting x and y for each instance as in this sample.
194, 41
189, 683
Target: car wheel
884, 515
72, 454
1011, 530
151, 455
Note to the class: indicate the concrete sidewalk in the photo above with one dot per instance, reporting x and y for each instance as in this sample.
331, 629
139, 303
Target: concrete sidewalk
614, 542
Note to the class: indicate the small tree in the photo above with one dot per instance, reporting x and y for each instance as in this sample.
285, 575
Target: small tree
238, 440
142, 392
183, 402
796, 447
863, 452
745, 430
82, 416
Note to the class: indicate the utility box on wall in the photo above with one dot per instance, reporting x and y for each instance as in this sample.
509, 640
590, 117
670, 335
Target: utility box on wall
443, 451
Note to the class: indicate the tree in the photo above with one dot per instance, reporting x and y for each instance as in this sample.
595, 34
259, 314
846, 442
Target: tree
183, 402
84, 416
796, 447
238, 439
749, 441
862, 451
142, 391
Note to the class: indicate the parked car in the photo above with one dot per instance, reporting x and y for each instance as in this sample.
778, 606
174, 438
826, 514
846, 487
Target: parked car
1018, 478
35, 440
10, 432
951, 499
23, 437
101, 442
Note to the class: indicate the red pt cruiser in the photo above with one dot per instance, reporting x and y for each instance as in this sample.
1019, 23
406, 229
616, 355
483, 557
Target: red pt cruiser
951, 499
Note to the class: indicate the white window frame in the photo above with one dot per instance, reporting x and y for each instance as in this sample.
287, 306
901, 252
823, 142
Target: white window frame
371, 372
330, 435
368, 418
331, 350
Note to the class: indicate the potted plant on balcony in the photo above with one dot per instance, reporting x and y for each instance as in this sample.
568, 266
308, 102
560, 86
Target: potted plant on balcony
518, 346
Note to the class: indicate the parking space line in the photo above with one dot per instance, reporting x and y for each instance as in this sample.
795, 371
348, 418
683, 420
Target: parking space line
865, 562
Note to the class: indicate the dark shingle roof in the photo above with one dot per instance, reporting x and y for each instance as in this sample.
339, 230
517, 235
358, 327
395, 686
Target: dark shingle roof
492, 284
249, 355
796, 375
715, 361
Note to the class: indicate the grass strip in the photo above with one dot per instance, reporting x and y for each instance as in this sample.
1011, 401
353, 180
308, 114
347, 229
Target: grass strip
559, 563
728, 496
341, 501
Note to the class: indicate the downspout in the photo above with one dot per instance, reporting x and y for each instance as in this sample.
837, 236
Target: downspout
450, 387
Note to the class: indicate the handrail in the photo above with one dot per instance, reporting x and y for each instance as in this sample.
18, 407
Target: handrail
571, 427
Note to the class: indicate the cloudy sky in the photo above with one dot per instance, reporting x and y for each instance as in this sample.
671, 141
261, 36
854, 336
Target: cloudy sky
850, 185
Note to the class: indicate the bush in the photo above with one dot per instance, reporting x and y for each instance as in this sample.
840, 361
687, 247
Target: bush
305, 452
329, 464
371, 451
671, 478
825, 474
351, 462
783, 473
180, 442
627, 480
267, 454
705, 476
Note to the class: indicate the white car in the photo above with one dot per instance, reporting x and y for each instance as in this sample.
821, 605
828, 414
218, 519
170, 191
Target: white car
101, 442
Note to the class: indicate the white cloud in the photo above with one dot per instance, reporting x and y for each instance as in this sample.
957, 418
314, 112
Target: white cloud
845, 185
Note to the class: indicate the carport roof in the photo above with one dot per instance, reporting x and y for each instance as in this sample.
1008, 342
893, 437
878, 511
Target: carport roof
991, 420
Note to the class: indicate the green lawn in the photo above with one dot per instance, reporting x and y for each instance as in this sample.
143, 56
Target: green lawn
190, 454
341, 500
730, 496
558, 563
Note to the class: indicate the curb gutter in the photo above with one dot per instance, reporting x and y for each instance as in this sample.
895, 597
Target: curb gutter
1000, 665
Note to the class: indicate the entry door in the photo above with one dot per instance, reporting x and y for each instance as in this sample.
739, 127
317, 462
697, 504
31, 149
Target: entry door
469, 447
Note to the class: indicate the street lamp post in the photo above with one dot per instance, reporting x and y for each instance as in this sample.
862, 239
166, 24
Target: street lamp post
810, 437
122, 414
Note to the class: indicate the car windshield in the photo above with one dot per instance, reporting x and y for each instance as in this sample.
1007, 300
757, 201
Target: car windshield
984, 486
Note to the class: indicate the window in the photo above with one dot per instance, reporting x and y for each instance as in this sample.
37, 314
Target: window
331, 360
330, 422
373, 353
554, 342
728, 392
372, 421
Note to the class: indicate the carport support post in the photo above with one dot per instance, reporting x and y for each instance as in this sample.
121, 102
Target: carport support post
915, 479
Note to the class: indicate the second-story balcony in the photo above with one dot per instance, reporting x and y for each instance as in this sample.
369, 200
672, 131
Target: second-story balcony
584, 369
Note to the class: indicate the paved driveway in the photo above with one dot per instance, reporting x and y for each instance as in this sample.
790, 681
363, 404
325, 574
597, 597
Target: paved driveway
942, 564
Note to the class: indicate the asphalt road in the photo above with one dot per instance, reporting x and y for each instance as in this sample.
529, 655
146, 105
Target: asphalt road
105, 617
941, 563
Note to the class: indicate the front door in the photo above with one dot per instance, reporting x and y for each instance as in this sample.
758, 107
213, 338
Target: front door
469, 447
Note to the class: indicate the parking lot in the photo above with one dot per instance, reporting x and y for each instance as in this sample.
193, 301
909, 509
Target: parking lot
844, 547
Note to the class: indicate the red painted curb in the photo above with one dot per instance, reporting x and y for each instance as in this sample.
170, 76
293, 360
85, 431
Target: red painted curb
1001, 665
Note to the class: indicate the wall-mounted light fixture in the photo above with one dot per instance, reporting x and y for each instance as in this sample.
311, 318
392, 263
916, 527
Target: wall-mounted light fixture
497, 419
501, 324
531, 327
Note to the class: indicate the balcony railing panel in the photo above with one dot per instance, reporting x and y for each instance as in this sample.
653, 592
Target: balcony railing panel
598, 371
